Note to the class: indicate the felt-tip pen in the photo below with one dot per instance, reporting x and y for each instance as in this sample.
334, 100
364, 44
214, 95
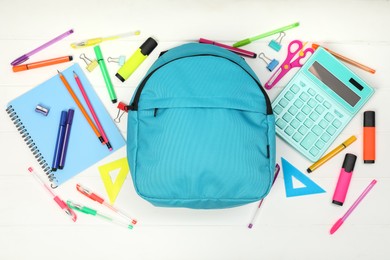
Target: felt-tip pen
369, 137
106, 76
344, 179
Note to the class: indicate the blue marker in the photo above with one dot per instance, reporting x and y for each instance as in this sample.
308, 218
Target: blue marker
68, 126
60, 141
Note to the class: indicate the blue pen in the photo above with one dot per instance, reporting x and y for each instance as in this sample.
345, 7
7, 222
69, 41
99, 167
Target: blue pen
68, 126
60, 141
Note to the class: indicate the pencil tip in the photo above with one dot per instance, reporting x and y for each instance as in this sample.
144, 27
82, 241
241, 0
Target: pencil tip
58, 72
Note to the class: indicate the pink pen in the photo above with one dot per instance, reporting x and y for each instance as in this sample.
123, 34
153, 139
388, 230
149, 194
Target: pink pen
57, 199
354, 205
87, 192
344, 179
99, 126
230, 48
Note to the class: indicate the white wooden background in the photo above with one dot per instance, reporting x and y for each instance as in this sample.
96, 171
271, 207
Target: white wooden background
32, 227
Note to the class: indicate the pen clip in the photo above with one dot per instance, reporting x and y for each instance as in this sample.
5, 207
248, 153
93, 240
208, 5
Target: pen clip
65, 207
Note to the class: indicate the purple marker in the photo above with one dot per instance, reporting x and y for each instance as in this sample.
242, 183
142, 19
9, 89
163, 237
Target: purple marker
26, 56
230, 48
60, 141
68, 126
344, 179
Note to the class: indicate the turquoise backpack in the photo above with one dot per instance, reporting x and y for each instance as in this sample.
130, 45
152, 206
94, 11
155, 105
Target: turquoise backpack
201, 132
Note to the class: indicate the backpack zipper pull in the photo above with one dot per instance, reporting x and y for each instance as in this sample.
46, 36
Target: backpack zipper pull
155, 112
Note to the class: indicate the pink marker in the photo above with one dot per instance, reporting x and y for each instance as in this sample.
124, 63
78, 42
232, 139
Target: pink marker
354, 205
230, 48
344, 179
99, 126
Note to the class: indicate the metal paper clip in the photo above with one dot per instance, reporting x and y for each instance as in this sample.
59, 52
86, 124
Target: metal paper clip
120, 60
271, 64
91, 64
277, 43
121, 107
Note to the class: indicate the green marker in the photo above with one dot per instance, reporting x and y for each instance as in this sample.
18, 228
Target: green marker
249, 40
89, 211
136, 59
106, 76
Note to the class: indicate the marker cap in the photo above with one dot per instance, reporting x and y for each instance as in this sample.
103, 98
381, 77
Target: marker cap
70, 116
349, 162
148, 46
369, 119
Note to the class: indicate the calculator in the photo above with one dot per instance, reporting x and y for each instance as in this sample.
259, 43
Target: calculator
317, 103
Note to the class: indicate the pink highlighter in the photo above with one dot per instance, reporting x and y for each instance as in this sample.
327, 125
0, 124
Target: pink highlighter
344, 179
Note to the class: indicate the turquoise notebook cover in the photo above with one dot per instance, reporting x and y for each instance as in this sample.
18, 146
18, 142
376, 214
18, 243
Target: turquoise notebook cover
84, 148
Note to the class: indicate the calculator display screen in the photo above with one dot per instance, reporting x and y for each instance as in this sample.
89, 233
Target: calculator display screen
334, 83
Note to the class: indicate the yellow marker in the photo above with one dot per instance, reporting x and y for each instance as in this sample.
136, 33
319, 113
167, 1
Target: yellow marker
94, 41
331, 154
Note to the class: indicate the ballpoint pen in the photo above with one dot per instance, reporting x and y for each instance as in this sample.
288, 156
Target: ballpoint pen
277, 169
263, 35
339, 222
94, 41
57, 199
86, 210
42, 63
87, 192
26, 56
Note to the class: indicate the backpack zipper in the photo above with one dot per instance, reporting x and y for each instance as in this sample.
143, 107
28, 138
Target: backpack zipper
134, 104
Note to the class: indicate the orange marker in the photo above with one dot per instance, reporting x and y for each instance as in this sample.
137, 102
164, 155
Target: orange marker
71, 92
369, 137
41, 63
347, 60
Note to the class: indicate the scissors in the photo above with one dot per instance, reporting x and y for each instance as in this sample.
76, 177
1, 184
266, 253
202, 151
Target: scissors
295, 47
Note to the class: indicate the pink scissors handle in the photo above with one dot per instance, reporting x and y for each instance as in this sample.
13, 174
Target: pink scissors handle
293, 48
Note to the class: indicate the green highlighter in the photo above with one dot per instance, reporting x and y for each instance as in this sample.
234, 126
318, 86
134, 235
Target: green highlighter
106, 76
136, 59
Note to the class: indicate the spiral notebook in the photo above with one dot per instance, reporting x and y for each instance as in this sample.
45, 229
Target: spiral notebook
40, 131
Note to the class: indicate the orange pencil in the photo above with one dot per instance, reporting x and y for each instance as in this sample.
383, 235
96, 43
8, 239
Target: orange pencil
41, 63
347, 60
71, 92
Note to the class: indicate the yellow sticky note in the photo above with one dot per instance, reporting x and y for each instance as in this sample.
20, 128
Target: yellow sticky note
113, 188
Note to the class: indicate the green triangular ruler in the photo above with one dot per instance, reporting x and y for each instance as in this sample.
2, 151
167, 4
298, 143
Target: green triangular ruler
113, 188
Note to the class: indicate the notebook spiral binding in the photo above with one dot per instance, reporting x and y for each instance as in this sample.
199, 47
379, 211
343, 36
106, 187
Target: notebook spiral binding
31, 145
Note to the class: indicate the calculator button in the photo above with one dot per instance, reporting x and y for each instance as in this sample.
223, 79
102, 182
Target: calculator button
319, 109
281, 123
295, 89
311, 91
283, 102
309, 140
302, 84
278, 109
309, 123
289, 95
306, 109
331, 130
301, 116
293, 110
317, 130
323, 123
327, 104
320, 144
314, 116
289, 130
325, 137
298, 103
303, 130
295, 123
304, 96
329, 117
287, 117
319, 98
314, 151
297, 137
312, 102
336, 123
338, 114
